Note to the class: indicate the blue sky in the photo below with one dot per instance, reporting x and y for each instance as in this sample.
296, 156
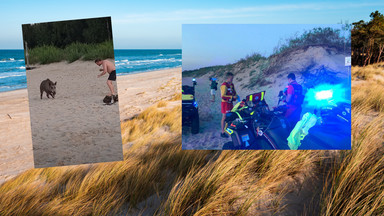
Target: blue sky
157, 24
219, 44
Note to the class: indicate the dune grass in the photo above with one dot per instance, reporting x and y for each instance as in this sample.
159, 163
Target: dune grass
368, 95
237, 183
75, 51
105, 188
221, 70
355, 184
327, 36
213, 182
367, 72
193, 182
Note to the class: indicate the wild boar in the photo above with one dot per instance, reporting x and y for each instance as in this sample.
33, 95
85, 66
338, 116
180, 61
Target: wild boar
49, 87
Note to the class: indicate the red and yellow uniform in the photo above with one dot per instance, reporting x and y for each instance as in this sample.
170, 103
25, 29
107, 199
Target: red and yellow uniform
228, 93
294, 106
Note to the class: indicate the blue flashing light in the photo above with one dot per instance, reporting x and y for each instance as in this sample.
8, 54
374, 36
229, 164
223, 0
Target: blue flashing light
195, 104
193, 79
324, 95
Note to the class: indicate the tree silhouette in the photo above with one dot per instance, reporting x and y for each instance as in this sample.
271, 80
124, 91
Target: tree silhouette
368, 40
63, 33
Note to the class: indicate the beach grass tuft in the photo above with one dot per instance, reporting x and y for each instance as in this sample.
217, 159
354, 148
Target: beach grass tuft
355, 184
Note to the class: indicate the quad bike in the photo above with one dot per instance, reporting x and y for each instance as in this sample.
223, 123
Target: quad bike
332, 130
190, 111
253, 125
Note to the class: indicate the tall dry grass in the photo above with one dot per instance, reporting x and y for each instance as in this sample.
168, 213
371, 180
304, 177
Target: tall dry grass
355, 185
106, 188
368, 96
189, 182
367, 72
238, 183
214, 182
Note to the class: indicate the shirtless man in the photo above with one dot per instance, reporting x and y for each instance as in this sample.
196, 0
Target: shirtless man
108, 67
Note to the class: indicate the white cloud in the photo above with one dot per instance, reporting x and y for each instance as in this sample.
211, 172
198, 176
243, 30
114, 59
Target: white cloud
221, 13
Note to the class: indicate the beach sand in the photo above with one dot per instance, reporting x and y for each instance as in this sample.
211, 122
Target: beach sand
139, 91
75, 127
93, 136
15, 141
210, 112
210, 118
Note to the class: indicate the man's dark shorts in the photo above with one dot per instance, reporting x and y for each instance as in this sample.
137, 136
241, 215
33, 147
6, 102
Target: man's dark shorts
112, 76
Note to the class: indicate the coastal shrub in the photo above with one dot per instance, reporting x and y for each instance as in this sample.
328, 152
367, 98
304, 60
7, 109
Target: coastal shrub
103, 50
215, 70
315, 37
250, 59
45, 55
75, 51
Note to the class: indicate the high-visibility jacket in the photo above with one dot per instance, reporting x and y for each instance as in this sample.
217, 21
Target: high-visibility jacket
227, 92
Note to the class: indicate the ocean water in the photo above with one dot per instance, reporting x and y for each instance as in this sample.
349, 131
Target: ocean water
135, 61
12, 70
12, 65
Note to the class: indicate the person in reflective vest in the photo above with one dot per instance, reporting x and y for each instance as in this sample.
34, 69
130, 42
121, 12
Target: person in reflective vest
228, 95
294, 100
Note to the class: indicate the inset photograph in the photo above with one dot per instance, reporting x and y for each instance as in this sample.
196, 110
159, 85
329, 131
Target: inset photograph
266, 87
73, 100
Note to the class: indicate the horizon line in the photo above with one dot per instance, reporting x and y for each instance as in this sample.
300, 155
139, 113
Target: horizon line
113, 49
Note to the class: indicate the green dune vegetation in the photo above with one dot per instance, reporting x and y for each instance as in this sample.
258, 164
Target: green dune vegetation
75, 51
325, 37
255, 70
84, 39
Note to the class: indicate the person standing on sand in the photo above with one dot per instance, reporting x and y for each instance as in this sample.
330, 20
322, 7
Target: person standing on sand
213, 88
108, 67
228, 95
